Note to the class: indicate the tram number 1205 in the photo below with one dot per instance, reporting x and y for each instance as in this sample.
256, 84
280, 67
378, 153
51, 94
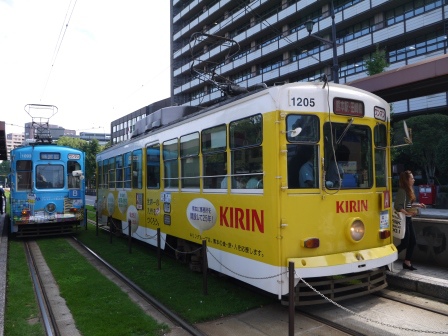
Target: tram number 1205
299, 101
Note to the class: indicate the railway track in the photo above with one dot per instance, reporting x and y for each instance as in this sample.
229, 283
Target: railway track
55, 315
358, 318
387, 312
130, 287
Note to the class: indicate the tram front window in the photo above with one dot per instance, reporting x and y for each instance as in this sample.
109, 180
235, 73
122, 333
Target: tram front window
73, 181
303, 151
347, 156
49, 176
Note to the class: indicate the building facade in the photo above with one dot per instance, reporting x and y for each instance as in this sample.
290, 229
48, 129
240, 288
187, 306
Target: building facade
54, 131
247, 42
13, 140
122, 128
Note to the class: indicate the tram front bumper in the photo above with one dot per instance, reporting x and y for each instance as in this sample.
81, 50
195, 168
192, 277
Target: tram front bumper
343, 263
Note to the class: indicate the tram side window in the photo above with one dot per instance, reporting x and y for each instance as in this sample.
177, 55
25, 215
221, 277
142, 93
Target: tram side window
99, 173
127, 170
246, 137
348, 156
380, 137
170, 164
111, 169
49, 176
189, 160
303, 151
119, 171
73, 181
214, 157
24, 171
153, 167
106, 173
137, 169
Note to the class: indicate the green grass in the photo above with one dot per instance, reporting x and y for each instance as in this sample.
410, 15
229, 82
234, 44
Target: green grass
98, 306
22, 311
174, 285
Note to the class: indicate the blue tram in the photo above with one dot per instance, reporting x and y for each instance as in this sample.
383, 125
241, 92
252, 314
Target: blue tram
47, 190
47, 187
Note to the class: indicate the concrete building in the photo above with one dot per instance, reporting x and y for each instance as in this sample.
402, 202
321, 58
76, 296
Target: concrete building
122, 128
13, 140
102, 138
267, 41
55, 131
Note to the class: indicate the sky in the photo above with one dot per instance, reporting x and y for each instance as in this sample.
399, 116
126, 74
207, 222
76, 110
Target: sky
95, 60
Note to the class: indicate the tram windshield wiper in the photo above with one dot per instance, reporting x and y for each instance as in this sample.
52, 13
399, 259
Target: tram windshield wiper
350, 122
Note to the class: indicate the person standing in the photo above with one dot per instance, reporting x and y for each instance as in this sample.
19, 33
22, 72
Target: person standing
404, 202
2, 196
306, 172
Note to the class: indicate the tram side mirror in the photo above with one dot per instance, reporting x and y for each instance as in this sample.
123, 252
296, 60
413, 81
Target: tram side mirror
78, 173
293, 133
408, 133
407, 136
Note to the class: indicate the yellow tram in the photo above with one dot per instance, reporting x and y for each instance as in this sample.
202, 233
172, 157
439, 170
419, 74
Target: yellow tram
293, 173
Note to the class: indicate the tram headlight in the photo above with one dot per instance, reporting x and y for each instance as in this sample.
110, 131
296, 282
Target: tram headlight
50, 208
356, 229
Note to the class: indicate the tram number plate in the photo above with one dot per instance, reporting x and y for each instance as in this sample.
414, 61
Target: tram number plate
302, 101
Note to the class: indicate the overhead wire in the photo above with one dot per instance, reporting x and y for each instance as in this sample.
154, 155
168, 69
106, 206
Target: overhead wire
68, 16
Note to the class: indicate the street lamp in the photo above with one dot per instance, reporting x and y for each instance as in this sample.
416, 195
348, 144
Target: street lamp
309, 27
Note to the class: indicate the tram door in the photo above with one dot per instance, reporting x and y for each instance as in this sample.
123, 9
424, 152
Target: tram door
302, 208
153, 203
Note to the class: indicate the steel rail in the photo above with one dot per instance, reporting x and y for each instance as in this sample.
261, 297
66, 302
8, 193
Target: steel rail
150, 299
48, 319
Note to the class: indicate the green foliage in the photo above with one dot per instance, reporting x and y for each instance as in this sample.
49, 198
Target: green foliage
4, 171
442, 155
175, 285
71, 142
98, 306
22, 312
377, 63
90, 148
429, 144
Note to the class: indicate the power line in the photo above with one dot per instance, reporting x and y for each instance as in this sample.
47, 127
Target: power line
61, 36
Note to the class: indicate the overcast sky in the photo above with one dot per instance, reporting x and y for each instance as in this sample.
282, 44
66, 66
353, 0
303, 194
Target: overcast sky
111, 59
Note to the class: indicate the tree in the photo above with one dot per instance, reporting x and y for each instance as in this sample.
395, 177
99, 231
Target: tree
429, 143
71, 142
442, 155
4, 172
90, 148
377, 63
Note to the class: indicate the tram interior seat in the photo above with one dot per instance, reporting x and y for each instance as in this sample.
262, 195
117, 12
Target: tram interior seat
254, 183
43, 185
349, 181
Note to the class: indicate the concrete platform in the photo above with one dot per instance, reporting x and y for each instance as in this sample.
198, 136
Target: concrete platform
427, 279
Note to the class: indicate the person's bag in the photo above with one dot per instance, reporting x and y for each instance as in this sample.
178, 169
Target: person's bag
398, 224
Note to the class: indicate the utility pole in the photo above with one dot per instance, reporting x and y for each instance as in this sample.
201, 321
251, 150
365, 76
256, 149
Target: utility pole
309, 27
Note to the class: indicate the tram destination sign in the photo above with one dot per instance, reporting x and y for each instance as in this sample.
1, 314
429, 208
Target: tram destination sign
348, 107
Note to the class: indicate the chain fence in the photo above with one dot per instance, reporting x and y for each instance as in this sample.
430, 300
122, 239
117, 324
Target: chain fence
347, 310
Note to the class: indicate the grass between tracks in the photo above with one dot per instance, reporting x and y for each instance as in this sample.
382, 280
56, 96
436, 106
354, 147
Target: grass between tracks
99, 307
21, 310
175, 285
